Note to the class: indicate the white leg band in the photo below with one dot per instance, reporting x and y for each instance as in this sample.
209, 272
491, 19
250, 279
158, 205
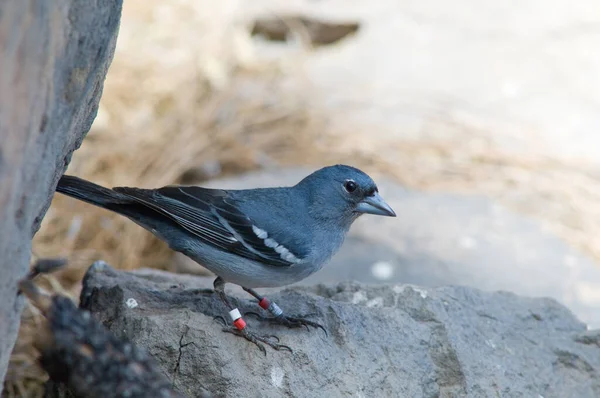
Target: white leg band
235, 314
275, 310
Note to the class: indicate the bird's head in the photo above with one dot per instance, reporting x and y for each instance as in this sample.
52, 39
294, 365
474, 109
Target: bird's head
343, 193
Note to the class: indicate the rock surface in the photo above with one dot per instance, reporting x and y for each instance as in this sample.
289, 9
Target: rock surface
394, 340
54, 57
445, 239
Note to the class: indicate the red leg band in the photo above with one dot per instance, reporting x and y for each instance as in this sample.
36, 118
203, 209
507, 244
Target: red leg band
239, 323
264, 303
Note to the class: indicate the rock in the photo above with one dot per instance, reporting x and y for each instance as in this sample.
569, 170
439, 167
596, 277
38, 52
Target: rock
319, 33
83, 359
445, 239
54, 60
389, 340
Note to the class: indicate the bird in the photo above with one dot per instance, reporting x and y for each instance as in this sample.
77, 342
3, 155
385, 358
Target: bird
254, 238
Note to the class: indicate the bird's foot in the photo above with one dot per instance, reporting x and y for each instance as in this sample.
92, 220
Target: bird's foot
240, 329
291, 322
270, 340
280, 318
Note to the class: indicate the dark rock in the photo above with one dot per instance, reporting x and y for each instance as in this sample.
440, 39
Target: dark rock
84, 360
54, 57
388, 340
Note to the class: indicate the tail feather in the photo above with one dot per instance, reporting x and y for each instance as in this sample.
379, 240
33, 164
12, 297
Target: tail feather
89, 192
161, 225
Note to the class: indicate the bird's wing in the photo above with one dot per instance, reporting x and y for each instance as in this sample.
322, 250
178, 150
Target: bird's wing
213, 217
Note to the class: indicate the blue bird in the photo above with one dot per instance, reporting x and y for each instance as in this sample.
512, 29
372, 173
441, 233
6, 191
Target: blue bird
264, 237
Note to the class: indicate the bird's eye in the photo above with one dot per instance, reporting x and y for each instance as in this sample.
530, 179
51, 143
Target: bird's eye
350, 186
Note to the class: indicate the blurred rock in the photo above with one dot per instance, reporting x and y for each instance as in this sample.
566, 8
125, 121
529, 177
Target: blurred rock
444, 239
318, 33
393, 340
522, 76
54, 57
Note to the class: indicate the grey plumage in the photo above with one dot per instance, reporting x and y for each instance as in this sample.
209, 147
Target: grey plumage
263, 237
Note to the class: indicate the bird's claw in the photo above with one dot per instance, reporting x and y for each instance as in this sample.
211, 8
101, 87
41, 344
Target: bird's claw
290, 321
254, 314
258, 340
296, 322
221, 319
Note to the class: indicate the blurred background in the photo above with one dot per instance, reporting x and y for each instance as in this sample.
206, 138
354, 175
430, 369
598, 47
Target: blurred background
479, 120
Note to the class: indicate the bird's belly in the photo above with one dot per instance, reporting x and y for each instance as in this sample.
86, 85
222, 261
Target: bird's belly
248, 273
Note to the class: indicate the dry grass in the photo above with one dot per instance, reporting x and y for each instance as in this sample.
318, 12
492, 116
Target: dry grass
185, 100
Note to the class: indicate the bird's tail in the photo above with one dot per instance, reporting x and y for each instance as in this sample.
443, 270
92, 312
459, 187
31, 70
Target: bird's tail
120, 203
90, 192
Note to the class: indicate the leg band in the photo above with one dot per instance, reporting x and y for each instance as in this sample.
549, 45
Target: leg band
274, 309
264, 303
237, 319
235, 314
239, 323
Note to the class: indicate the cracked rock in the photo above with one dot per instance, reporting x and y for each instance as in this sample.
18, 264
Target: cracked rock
391, 340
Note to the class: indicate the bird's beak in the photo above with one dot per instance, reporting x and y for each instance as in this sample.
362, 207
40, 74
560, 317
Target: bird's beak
375, 204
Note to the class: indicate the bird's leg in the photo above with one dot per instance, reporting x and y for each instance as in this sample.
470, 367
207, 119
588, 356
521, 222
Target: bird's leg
239, 325
278, 316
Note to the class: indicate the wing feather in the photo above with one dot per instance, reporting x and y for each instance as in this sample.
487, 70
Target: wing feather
211, 216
